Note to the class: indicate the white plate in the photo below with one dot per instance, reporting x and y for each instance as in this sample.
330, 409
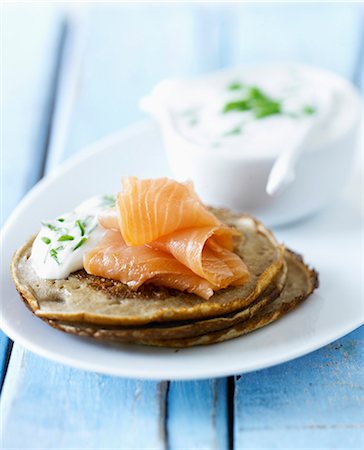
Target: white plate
330, 242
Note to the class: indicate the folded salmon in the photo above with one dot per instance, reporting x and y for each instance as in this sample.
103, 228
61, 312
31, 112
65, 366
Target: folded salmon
149, 209
160, 232
135, 265
200, 250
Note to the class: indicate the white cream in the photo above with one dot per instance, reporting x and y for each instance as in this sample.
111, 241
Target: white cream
60, 245
232, 170
196, 110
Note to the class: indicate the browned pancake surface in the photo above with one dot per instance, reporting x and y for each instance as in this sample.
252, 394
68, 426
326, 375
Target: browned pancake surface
86, 298
300, 283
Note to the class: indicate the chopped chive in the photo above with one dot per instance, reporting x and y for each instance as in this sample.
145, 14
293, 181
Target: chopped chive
61, 219
81, 227
54, 254
267, 110
308, 110
81, 242
235, 86
50, 226
233, 132
87, 221
256, 101
108, 201
46, 240
239, 105
65, 237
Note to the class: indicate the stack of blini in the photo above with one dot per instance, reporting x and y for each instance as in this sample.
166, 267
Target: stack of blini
91, 304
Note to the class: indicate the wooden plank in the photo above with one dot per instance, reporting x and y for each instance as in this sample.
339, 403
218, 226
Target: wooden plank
197, 415
124, 58
60, 407
5, 351
313, 402
29, 39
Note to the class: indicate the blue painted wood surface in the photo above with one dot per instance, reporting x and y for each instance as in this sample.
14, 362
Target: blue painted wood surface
113, 55
59, 407
197, 415
30, 38
312, 402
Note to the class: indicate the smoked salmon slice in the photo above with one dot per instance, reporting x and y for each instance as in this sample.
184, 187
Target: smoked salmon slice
149, 209
133, 266
213, 262
161, 233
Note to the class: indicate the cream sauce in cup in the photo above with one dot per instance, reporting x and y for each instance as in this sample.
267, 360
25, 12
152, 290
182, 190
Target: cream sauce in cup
225, 130
255, 113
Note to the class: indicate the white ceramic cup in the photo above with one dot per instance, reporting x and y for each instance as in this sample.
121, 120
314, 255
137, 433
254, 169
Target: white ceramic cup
238, 182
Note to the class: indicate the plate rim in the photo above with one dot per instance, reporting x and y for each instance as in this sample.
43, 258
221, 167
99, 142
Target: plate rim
128, 372
87, 366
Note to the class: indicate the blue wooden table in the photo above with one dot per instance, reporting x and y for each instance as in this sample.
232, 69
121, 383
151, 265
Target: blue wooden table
71, 75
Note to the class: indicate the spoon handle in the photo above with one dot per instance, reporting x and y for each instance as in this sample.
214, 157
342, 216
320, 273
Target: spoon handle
283, 171
281, 175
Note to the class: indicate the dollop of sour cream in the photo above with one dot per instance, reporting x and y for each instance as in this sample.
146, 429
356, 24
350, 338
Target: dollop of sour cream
259, 112
60, 245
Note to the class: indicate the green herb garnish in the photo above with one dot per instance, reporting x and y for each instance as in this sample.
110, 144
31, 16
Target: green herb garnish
237, 105
235, 86
61, 219
81, 227
308, 110
267, 109
87, 221
50, 226
234, 131
81, 242
46, 240
256, 101
65, 237
53, 252
108, 201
